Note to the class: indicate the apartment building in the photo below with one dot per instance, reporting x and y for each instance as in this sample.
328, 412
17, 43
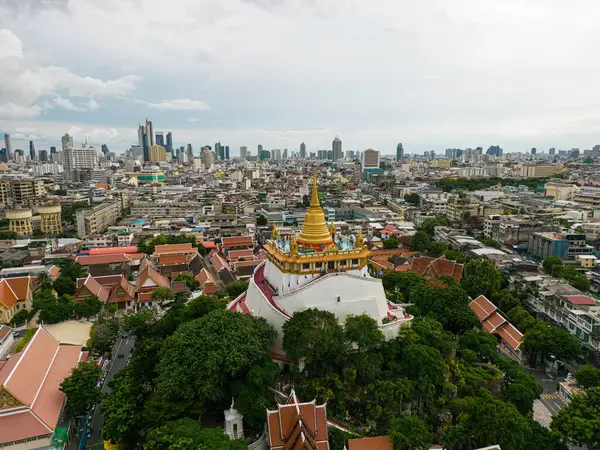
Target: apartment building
564, 246
510, 230
79, 158
21, 191
460, 208
159, 210
537, 171
94, 221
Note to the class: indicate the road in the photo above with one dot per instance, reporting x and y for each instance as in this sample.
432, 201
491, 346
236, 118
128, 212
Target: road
122, 346
549, 398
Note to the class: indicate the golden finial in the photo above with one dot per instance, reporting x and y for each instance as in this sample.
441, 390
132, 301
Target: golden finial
294, 245
360, 243
314, 201
274, 232
332, 229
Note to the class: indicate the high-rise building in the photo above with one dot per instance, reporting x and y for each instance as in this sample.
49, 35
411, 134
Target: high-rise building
303, 150
227, 152
399, 152
158, 153
260, 150
370, 160
243, 152
79, 158
31, 150
159, 138
43, 155
8, 145
534, 151
169, 142
552, 151
285, 153
67, 141
189, 151
52, 150
350, 154
104, 149
495, 150
150, 132
207, 157
336, 149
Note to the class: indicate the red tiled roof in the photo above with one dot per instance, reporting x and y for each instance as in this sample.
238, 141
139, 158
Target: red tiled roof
580, 300
493, 322
112, 250
95, 288
172, 260
13, 290
482, 307
209, 244
174, 248
5, 331
370, 443
238, 241
109, 259
294, 424
424, 265
509, 334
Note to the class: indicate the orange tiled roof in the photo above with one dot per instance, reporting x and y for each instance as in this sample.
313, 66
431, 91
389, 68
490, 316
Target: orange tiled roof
511, 336
297, 426
482, 307
172, 259
13, 290
237, 241
370, 443
437, 267
109, 259
173, 248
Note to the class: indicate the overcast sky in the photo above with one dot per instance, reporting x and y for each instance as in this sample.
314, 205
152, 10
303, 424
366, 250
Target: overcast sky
431, 74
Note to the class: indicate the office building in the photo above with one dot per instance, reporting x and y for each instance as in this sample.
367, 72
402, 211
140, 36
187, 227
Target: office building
97, 219
552, 151
349, 154
43, 155
259, 149
565, 246
159, 138
227, 152
370, 160
67, 141
104, 149
285, 153
8, 146
243, 152
399, 152
207, 157
534, 151
79, 158
336, 149
189, 151
150, 132
495, 150
157, 153
303, 150
31, 150
537, 171
169, 142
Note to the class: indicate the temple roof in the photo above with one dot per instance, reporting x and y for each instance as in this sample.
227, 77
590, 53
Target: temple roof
314, 231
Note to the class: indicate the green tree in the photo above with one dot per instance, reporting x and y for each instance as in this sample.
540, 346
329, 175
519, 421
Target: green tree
390, 243
189, 279
88, 307
235, 288
196, 369
44, 282
540, 438
25, 340
588, 376
436, 249
409, 433
522, 389
261, 221
399, 284
579, 421
432, 333
454, 255
20, 318
71, 269
549, 263
162, 295
420, 242
136, 323
428, 225
491, 243
316, 337
480, 278
521, 318
81, 388
362, 332
413, 198
506, 301
187, 434
103, 336
580, 282
64, 285
483, 344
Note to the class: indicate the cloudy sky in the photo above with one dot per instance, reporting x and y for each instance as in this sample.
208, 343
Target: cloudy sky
431, 74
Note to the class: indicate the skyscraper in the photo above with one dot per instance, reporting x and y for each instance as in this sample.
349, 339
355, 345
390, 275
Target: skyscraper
67, 141
399, 152
150, 132
219, 151
104, 149
8, 145
551, 152
370, 159
43, 155
336, 148
189, 151
243, 152
534, 151
227, 152
260, 150
285, 153
169, 142
79, 158
159, 138
31, 150
303, 150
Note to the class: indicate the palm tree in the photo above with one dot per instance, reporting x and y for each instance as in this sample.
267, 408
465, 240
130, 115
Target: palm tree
44, 282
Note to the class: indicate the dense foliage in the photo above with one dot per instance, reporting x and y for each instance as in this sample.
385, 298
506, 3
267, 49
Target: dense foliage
148, 245
81, 388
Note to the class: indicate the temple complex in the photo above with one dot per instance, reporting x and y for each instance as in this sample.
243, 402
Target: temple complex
318, 268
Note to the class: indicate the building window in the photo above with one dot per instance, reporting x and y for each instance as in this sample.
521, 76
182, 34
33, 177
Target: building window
305, 266
318, 265
355, 262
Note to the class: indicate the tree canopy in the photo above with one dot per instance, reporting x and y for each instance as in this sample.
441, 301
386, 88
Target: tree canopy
81, 388
579, 421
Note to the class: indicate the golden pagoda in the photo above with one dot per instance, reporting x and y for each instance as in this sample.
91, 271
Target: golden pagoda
315, 233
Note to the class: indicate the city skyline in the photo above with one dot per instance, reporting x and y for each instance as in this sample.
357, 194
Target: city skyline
471, 75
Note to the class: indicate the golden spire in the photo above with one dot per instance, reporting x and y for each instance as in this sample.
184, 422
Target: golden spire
332, 229
314, 232
274, 233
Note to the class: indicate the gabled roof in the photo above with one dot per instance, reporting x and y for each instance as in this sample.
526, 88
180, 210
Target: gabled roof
95, 288
32, 378
113, 250
437, 267
109, 259
149, 272
174, 248
13, 290
370, 443
237, 241
172, 260
495, 323
482, 307
298, 426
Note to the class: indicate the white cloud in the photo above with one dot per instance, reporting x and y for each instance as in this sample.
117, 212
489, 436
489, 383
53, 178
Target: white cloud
181, 104
192, 120
24, 83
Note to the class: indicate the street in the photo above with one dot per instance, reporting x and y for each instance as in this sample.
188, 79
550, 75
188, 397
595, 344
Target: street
549, 398
122, 346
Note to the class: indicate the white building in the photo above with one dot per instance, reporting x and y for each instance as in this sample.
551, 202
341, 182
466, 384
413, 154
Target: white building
79, 158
